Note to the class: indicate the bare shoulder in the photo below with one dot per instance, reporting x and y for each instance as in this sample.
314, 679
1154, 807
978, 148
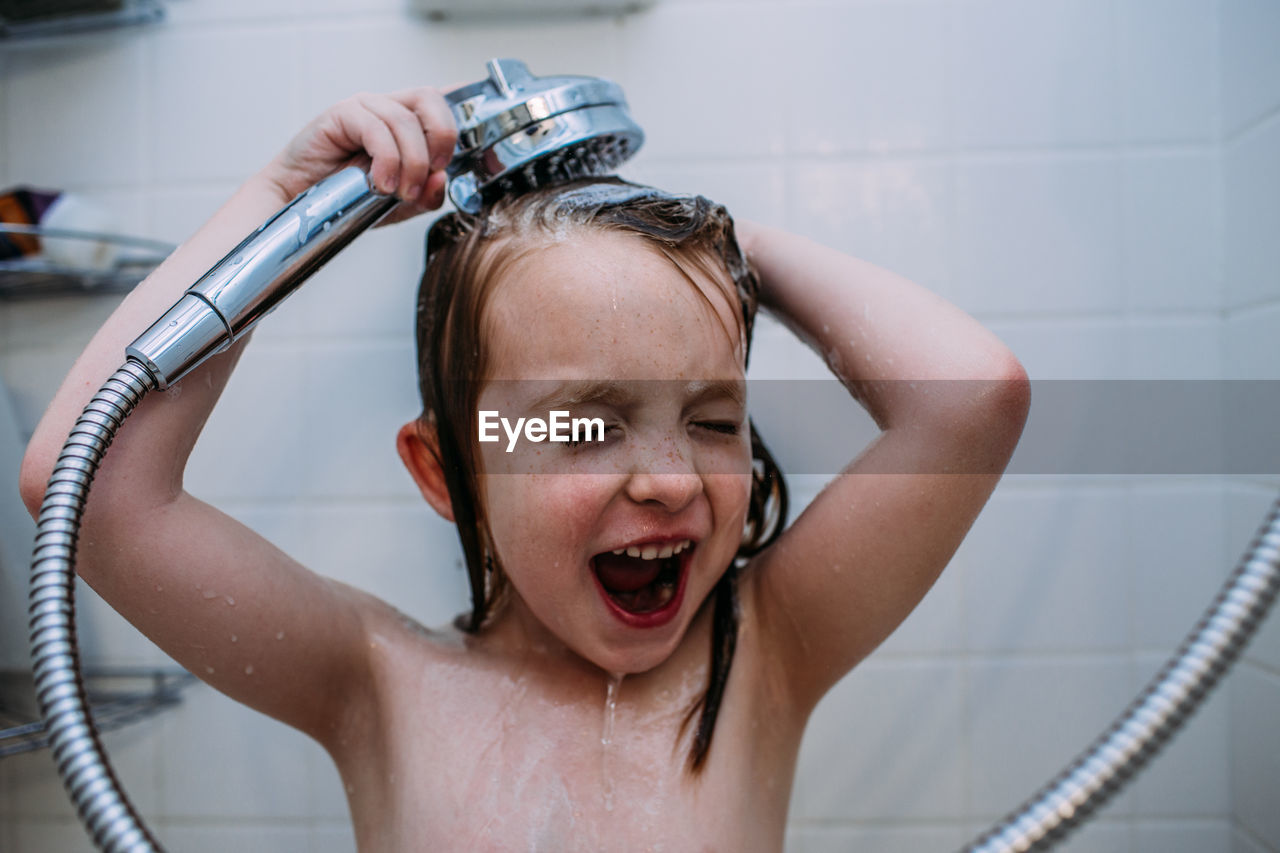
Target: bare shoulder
400, 645
406, 667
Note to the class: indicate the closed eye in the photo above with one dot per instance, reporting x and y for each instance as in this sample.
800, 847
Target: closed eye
722, 427
590, 437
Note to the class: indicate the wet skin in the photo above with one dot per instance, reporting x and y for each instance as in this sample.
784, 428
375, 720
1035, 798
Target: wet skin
498, 737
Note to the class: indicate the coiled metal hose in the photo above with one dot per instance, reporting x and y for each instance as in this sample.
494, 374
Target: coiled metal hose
86, 773
1099, 772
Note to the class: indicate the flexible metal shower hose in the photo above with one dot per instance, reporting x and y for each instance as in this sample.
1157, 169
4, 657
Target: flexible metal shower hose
1045, 819
1099, 772
102, 805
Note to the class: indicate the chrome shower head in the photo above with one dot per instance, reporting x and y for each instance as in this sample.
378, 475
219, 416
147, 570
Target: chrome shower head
517, 132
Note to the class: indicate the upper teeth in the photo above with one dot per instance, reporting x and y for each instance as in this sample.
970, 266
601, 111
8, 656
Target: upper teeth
654, 552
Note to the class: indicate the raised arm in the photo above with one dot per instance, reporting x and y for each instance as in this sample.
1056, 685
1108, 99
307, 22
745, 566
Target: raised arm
223, 602
950, 400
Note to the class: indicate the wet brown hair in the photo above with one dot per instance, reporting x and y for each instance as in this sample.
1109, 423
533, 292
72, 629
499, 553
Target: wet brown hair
465, 255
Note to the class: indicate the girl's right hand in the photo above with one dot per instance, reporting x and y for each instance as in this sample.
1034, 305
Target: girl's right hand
409, 136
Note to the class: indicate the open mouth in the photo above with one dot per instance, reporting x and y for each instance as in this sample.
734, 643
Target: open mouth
643, 582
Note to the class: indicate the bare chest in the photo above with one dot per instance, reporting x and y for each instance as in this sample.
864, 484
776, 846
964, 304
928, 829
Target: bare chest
520, 772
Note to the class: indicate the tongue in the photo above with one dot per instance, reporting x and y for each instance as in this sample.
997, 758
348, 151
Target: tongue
620, 573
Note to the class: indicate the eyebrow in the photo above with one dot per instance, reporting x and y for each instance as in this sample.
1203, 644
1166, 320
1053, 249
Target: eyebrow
613, 392
581, 392
710, 389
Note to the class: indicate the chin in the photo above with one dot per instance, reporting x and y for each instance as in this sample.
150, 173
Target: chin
635, 661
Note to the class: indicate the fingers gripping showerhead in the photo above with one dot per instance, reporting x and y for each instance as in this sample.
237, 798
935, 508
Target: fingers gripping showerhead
517, 132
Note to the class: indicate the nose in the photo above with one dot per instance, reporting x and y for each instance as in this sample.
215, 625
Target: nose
664, 476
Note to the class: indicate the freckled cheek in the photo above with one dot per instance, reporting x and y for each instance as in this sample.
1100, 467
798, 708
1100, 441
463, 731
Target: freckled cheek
730, 496
550, 514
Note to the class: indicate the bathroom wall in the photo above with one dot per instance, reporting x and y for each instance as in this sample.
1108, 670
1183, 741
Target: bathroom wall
1250, 31
1093, 178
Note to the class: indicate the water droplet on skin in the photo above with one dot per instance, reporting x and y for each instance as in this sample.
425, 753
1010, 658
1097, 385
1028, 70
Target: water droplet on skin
159, 588
209, 670
280, 635
610, 708
234, 638
207, 594
231, 602
248, 670
606, 738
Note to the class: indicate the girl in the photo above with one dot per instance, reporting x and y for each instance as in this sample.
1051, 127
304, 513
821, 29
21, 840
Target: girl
645, 646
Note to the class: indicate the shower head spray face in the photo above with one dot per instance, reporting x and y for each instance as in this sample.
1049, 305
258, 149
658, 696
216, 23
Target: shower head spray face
517, 132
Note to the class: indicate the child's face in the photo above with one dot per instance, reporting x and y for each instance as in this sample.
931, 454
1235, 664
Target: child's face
603, 325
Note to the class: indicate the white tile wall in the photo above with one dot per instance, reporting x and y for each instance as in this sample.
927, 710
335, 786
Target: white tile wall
1044, 569
365, 392
1252, 349
80, 109
1242, 842
1250, 63
1183, 837
1255, 707
4, 111
379, 547
895, 839
38, 836
231, 461
898, 210
230, 11
1097, 179
705, 102
1169, 211
190, 103
1251, 179
889, 88
219, 760
868, 757
1027, 718
1038, 234
1033, 74
1168, 70
1252, 191
1177, 534
1071, 348
1174, 347
245, 838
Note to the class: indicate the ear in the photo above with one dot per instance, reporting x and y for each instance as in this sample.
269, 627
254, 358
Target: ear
420, 452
